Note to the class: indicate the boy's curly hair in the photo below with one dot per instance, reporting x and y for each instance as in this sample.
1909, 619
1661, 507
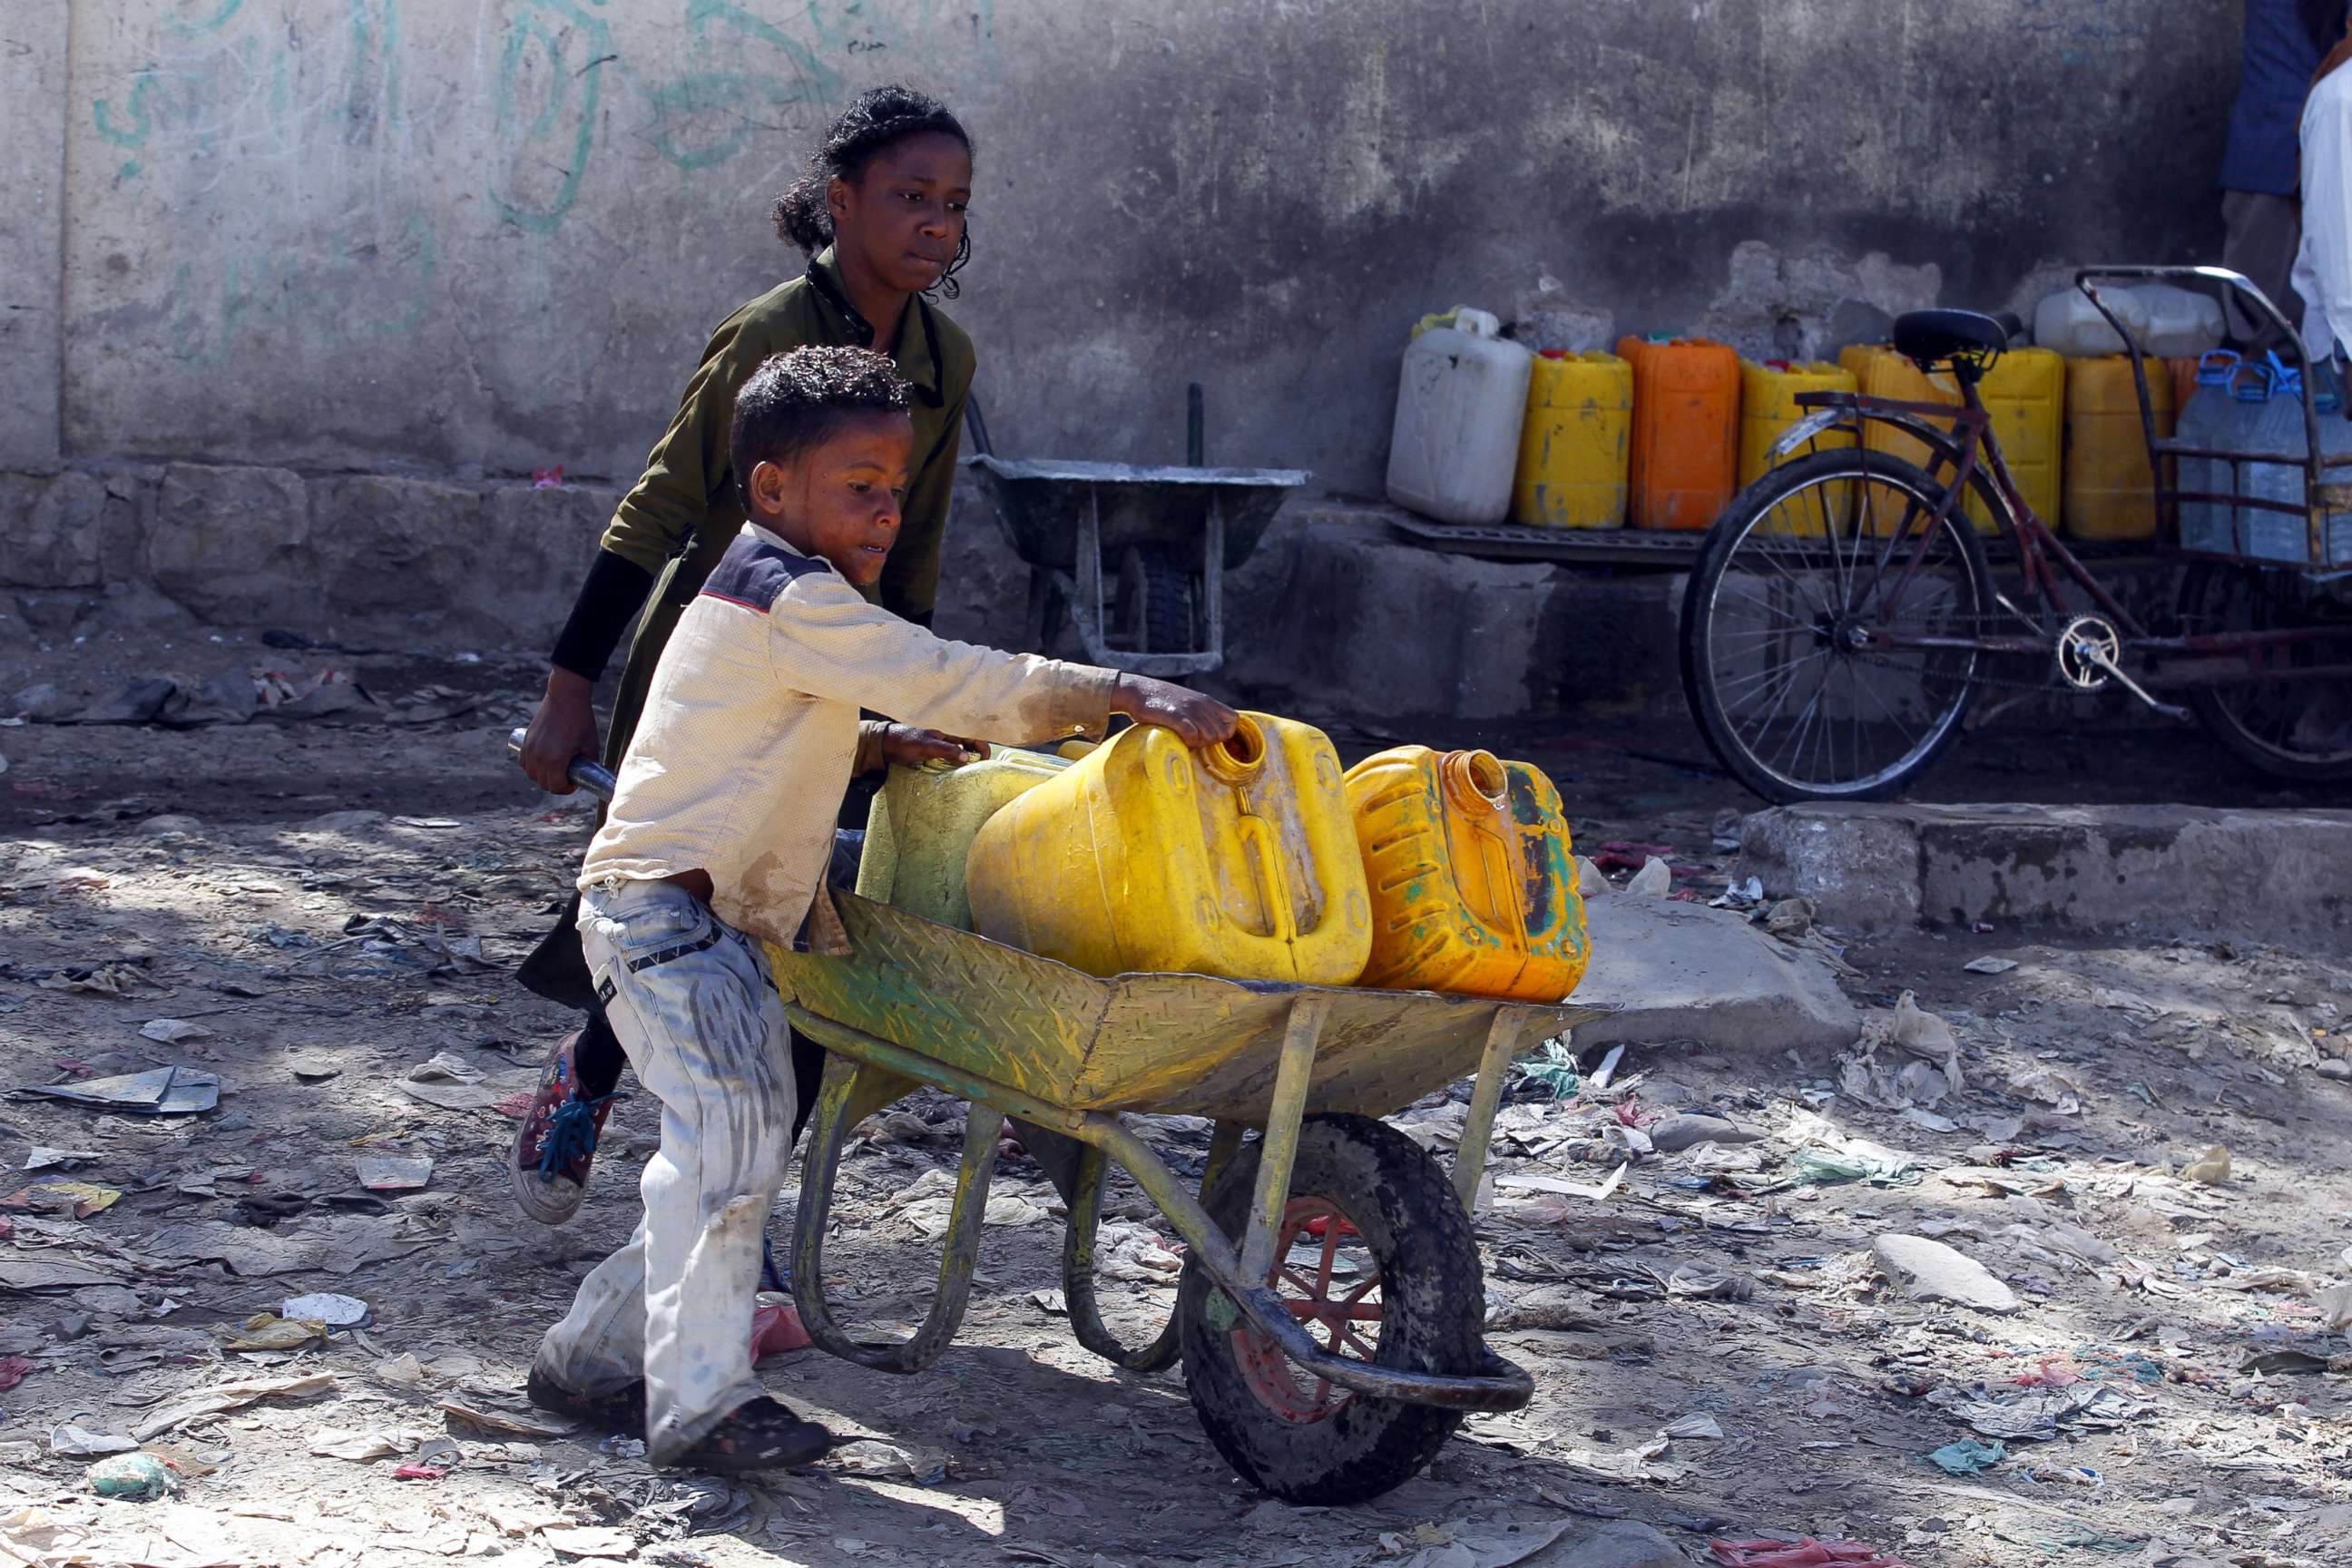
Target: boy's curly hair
874, 119
795, 400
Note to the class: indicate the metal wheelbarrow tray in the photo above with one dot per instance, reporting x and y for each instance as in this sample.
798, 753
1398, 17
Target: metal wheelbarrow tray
913, 1002
1176, 530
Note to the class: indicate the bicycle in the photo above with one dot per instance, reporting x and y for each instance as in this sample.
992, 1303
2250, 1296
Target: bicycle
1843, 614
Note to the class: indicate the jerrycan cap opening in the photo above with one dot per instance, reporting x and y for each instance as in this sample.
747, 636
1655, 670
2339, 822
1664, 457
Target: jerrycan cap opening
1240, 757
1475, 780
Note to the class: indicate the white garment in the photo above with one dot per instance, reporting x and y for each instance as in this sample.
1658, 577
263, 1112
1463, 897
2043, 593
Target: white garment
694, 1006
750, 731
2323, 265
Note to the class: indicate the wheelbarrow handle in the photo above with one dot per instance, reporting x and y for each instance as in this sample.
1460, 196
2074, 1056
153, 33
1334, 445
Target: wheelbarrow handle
585, 772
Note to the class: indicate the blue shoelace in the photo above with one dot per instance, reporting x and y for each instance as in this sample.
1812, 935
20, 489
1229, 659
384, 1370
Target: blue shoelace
571, 1134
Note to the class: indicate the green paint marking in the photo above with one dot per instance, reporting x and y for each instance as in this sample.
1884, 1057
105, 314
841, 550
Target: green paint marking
218, 20
130, 170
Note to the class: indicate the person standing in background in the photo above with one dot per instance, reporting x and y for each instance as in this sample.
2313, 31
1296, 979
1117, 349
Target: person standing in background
2261, 220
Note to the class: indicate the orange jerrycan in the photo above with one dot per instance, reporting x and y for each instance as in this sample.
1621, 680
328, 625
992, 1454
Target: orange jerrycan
1685, 461
2110, 481
1575, 442
1473, 883
1767, 407
1237, 860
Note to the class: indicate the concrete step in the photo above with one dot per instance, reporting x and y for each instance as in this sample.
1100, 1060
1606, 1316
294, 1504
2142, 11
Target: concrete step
2149, 870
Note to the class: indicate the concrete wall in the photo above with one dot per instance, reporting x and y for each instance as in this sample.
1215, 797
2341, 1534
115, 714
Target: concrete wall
479, 237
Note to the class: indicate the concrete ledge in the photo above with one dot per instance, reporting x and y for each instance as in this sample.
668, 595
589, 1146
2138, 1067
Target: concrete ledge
2162, 870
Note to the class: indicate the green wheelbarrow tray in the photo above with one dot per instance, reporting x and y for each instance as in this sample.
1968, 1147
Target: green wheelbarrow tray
913, 1003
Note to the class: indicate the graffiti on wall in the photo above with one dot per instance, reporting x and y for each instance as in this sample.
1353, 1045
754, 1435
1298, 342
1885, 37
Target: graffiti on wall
306, 113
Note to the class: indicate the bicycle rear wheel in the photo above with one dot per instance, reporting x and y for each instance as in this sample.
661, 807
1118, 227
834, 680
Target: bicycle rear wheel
2297, 730
1786, 660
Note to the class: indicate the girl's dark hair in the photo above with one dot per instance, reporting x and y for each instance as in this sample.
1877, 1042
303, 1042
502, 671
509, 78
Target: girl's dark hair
874, 119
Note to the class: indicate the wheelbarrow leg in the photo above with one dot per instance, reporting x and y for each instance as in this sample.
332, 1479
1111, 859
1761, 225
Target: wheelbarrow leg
842, 1084
1078, 1276
1280, 1149
1485, 1097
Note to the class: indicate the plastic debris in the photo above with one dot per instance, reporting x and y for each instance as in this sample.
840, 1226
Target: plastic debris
135, 1477
1553, 1066
43, 1157
327, 1308
1805, 1554
70, 1441
230, 1396
1704, 1282
385, 1173
504, 1423
171, 1031
2211, 1169
591, 1540
435, 1460
1967, 1455
342, 1443
1608, 1068
776, 1328
1698, 1427
160, 1092
622, 1447
269, 1331
1922, 1033
1989, 965
13, 1370
56, 1195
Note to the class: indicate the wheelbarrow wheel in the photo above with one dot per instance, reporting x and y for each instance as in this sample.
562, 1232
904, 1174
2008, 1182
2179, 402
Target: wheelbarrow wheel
1357, 1191
1155, 597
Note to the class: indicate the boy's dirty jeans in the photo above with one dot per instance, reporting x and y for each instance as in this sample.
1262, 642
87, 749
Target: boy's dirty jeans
691, 1001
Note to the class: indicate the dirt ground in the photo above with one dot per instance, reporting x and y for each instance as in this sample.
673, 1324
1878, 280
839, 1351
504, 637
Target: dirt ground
340, 900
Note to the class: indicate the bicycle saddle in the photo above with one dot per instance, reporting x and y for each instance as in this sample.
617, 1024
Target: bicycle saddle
1968, 340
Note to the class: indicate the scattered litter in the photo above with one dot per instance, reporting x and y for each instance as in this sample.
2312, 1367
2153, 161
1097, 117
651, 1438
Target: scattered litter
388, 1174
1608, 1068
231, 1396
1789, 918
2036, 1414
42, 1158
1805, 1554
449, 1084
134, 1477
776, 1328
1688, 1427
69, 1441
1744, 895
1705, 1282
1989, 966
2048, 1086
2294, 1363
1853, 1160
118, 979
342, 1442
171, 1031
1553, 1066
331, 1311
160, 1092
2211, 1169
499, 1423
622, 1447
1922, 1033
431, 1462
13, 1370
1562, 1186
267, 1331
1635, 1465
57, 1195
1967, 1455
591, 1540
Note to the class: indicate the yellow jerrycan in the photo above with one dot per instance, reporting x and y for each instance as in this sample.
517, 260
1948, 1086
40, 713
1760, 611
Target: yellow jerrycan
1576, 443
920, 832
1472, 877
1236, 860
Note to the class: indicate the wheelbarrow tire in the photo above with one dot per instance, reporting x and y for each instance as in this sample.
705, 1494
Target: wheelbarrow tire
1433, 1293
1157, 577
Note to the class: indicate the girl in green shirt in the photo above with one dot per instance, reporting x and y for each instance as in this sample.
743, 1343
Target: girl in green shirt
880, 213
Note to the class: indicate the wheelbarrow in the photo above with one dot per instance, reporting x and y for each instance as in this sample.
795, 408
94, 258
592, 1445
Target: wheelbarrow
1133, 556
1327, 1222
1329, 1313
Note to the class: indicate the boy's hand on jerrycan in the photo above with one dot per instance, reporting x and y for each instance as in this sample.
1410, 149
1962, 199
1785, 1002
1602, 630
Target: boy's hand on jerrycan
1197, 721
905, 746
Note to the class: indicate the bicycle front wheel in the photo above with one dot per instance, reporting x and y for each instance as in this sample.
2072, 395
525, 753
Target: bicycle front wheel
1802, 625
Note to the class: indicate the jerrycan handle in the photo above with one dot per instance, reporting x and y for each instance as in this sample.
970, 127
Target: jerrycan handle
2215, 368
1473, 323
1235, 763
1477, 784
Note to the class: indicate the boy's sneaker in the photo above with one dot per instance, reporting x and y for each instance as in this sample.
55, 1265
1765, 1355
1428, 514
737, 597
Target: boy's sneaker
763, 1434
557, 1140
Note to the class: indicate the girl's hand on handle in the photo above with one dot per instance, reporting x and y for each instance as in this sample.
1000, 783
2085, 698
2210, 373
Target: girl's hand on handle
1197, 721
563, 727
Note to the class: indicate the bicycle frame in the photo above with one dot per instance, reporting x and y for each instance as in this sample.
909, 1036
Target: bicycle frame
1958, 438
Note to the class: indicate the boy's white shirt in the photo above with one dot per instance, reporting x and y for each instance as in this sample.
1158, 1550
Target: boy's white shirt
750, 735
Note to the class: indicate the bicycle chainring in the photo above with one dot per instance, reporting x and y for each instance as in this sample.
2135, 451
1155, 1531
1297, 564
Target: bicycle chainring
2082, 636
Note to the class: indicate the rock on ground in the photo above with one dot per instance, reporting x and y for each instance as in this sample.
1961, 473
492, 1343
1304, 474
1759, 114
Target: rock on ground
1930, 1271
1682, 972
